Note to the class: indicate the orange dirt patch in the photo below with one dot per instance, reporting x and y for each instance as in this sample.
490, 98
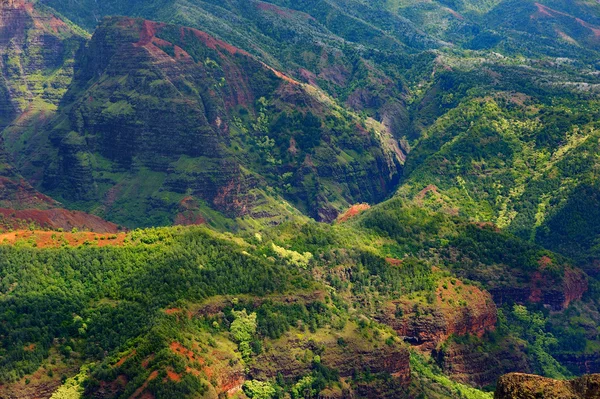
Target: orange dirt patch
429, 189
270, 7
139, 393
180, 349
189, 218
172, 310
190, 370
60, 219
213, 43
147, 33
543, 10
393, 262
173, 376
545, 261
124, 358
281, 75
29, 348
593, 28
354, 211
51, 239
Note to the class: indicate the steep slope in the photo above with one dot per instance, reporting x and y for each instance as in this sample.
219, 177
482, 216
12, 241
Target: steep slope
158, 113
36, 65
517, 386
350, 49
15, 192
570, 27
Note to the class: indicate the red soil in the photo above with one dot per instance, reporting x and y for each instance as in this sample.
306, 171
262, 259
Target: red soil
180, 349
543, 10
189, 218
60, 219
190, 370
431, 188
139, 393
51, 239
124, 358
393, 262
29, 348
594, 29
148, 32
213, 43
173, 376
282, 12
280, 75
354, 211
270, 7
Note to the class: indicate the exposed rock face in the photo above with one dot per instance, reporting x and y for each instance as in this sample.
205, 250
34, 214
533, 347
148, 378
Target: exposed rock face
459, 309
526, 386
157, 113
580, 363
32, 42
55, 219
353, 356
467, 364
544, 289
15, 192
18, 194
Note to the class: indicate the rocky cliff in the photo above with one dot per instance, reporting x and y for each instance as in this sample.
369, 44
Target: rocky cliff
473, 365
544, 288
459, 309
37, 58
525, 386
580, 363
158, 113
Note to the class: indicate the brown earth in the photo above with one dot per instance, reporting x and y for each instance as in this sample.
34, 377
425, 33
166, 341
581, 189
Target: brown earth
527, 386
56, 218
50, 239
468, 364
458, 309
354, 211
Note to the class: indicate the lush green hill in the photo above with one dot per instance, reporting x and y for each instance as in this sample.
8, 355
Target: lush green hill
264, 121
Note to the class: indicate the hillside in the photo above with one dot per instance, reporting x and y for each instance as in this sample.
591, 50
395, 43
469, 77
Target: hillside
160, 116
299, 199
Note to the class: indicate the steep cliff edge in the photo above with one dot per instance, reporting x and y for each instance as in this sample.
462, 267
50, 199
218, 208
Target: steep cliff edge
458, 309
158, 113
36, 65
525, 386
524, 274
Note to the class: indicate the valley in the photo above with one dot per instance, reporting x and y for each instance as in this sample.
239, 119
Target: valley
299, 199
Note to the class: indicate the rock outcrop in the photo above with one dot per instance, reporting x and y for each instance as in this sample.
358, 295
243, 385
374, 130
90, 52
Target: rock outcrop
470, 365
37, 58
580, 363
348, 355
527, 386
458, 309
545, 289
157, 113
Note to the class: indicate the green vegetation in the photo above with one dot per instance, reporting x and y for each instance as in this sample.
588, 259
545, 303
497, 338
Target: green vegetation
470, 126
